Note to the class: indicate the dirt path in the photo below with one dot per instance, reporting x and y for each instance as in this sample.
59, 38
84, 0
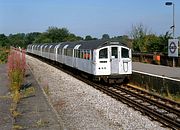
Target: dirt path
5, 117
35, 111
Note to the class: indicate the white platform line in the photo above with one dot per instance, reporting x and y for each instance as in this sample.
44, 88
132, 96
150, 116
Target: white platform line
154, 75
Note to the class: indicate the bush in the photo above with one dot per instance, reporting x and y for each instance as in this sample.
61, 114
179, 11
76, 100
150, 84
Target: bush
3, 55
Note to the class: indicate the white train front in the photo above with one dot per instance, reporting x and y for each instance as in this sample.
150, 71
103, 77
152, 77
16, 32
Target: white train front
104, 60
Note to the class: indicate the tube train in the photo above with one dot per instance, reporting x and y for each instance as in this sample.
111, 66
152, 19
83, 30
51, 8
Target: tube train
101, 60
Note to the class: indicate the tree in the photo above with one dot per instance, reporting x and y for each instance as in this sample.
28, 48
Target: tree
3, 40
105, 37
138, 35
73, 37
153, 43
164, 42
57, 34
43, 38
123, 39
17, 40
88, 37
31, 37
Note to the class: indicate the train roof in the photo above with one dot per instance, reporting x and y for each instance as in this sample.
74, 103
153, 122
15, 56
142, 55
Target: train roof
89, 45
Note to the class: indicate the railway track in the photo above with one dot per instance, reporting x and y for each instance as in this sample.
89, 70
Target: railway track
163, 110
160, 109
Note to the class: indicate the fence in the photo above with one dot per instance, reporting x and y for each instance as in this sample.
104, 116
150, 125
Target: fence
155, 58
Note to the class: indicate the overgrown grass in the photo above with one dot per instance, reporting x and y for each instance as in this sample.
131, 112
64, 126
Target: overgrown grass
16, 67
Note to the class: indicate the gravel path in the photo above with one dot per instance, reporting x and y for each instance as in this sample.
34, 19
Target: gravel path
82, 107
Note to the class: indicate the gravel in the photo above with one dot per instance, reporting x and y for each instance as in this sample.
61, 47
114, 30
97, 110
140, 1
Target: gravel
81, 107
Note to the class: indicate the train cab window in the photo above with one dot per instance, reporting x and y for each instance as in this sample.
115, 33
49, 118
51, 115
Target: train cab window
103, 53
114, 52
124, 53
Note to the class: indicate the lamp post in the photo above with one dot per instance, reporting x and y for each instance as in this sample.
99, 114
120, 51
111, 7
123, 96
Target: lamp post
173, 26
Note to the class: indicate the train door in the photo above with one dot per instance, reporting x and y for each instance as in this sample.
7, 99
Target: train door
125, 61
56, 52
75, 55
64, 53
114, 60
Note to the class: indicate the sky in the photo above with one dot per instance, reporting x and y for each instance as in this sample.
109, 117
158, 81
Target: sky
88, 17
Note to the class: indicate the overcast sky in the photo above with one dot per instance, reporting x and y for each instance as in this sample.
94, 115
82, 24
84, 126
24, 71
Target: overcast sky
88, 17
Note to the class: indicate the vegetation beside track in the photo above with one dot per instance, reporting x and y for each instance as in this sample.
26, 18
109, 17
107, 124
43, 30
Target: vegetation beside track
3, 55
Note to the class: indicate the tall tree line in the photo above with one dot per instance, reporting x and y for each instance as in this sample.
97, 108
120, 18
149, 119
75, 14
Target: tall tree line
139, 39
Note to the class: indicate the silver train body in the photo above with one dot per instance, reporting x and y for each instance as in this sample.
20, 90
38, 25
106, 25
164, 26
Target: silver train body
109, 61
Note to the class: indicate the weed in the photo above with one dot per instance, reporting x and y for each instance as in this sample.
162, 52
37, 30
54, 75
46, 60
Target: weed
17, 127
46, 87
28, 92
16, 67
46, 90
16, 96
41, 123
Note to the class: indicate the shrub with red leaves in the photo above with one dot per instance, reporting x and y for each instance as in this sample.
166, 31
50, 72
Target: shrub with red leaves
16, 67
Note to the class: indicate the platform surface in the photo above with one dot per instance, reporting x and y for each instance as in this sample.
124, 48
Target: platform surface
165, 71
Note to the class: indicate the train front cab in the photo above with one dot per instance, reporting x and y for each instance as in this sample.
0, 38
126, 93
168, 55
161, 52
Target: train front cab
113, 63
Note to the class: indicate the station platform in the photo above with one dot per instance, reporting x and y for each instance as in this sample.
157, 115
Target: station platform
158, 79
171, 73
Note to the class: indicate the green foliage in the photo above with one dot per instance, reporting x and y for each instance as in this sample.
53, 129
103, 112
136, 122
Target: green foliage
3, 40
42, 38
164, 42
31, 37
105, 37
17, 40
57, 34
123, 39
148, 42
3, 55
88, 37
52, 35
138, 34
141, 40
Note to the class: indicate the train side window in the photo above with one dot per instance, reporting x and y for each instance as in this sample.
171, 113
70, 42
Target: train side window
65, 52
51, 50
78, 53
46, 49
58, 51
69, 52
124, 53
81, 54
91, 54
75, 53
103, 53
84, 57
88, 54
